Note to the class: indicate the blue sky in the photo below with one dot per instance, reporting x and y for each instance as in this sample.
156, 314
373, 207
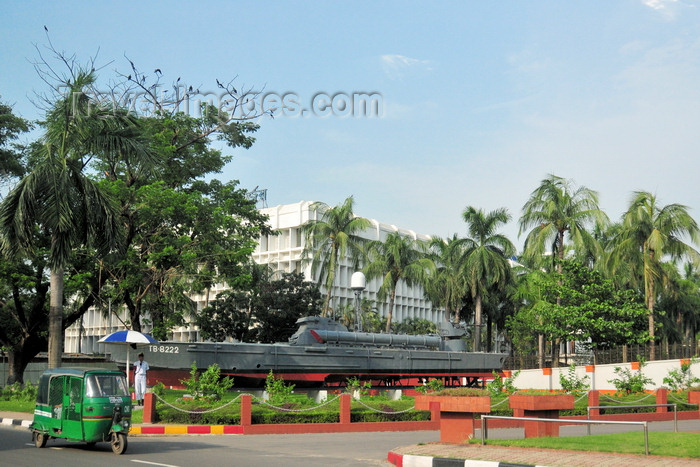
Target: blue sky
480, 100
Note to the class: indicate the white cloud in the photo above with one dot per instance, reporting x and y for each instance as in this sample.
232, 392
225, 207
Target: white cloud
395, 66
667, 8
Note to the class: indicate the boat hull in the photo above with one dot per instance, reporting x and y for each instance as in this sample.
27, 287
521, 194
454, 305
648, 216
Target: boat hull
317, 365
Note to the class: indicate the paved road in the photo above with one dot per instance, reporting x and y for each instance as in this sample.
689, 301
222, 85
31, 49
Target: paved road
338, 450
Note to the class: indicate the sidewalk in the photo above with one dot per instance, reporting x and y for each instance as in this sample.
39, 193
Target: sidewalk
444, 455
450, 455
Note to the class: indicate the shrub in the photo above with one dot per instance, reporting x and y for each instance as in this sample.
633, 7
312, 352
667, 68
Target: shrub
208, 385
628, 383
571, 383
354, 384
276, 389
19, 392
680, 379
499, 384
158, 389
432, 385
462, 392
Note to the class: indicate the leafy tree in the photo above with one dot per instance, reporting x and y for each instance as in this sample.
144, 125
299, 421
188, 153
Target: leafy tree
485, 264
143, 151
649, 234
58, 196
681, 305
397, 258
184, 234
24, 312
553, 209
581, 305
446, 285
11, 127
330, 239
267, 312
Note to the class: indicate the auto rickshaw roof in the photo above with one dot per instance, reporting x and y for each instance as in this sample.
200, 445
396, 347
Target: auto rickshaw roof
77, 371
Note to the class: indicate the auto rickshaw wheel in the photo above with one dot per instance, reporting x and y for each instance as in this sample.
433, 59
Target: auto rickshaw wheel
40, 439
119, 443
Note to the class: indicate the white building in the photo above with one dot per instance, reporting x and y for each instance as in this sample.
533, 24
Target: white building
283, 252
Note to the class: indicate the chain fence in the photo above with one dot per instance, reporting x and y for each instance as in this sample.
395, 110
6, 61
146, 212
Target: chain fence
261, 401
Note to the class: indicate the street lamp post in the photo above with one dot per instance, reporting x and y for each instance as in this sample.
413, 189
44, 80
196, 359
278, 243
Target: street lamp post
357, 284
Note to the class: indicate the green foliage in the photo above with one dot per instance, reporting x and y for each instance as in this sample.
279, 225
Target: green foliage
354, 384
276, 388
330, 238
581, 304
19, 392
432, 385
208, 385
662, 444
265, 310
158, 389
415, 326
571, 383
462, 392
501, 385
682, 378
397, 258
629, 383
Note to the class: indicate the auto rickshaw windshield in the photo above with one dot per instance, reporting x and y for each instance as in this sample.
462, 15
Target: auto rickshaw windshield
105, 385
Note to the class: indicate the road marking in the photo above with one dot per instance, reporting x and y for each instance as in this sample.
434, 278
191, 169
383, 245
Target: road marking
152, 463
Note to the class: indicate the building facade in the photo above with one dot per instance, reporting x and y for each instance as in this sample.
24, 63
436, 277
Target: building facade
282, 252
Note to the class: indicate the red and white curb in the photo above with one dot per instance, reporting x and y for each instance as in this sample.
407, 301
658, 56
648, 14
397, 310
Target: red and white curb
15, 422
407, 460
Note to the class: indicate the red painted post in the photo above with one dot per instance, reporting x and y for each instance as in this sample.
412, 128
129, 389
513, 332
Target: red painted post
149, 408
434, 411
246, 410
594, 401
345, 408
662, 398
535, 429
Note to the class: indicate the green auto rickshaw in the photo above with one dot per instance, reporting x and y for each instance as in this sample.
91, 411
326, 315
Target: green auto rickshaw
82, 405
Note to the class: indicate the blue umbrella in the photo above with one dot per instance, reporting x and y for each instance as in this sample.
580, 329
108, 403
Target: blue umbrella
130, 339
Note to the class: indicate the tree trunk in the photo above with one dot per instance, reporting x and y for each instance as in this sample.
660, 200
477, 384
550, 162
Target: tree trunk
16, 367
555, 352
56, 318
391, 309
477, 324
649, 290
489, 331
540, 350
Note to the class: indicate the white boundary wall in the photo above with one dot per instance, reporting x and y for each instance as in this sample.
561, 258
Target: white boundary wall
600, 377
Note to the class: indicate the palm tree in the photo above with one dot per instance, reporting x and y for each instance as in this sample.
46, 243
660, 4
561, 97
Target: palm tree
486, 260
330, 239
396, 258
445, 285
649, 234
555, 208
58, 197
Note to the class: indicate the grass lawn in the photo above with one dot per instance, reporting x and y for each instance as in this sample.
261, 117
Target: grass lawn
660, 443
17, 406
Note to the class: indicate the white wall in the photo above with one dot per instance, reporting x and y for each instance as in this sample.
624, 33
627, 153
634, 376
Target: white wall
599, 379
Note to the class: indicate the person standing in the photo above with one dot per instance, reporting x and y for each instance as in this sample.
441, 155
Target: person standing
140, 370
